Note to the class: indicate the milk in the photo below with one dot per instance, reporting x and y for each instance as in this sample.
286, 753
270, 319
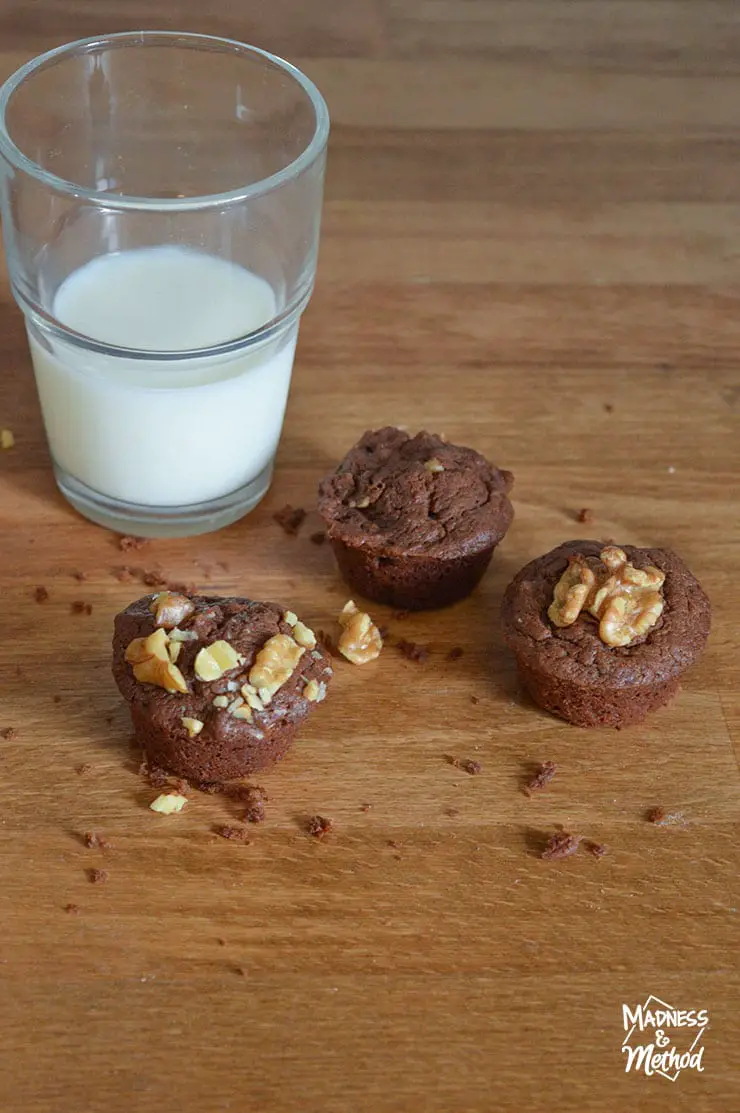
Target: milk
170, 431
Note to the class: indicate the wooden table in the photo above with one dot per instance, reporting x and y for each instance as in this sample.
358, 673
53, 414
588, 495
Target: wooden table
531, 243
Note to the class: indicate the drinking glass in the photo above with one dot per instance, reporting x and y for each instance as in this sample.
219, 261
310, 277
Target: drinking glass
161, 199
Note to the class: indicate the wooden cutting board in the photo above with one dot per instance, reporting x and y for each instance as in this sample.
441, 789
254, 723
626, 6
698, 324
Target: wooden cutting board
530, 244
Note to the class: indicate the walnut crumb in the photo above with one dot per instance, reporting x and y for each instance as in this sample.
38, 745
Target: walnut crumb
465, 763
96, 877
560, 845
585, 516
41, 595
127, 544
414, 651
318, 538
542, 777
290, 519
236, 834
319, 825
94, 841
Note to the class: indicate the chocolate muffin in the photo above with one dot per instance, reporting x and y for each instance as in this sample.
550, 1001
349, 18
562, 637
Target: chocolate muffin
217, 687
413, 521
602, 635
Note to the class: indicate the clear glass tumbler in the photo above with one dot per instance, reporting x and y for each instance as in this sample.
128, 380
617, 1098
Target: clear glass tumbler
161, 199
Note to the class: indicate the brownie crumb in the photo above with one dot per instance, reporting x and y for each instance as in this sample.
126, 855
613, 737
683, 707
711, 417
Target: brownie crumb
290, 519
79, 576
95, 842
255, 813
41, 594
8, 733
455, 653
586, 516
401, 615
318, 538
560, 845
183, 589
542, 777
597, 849
609, 407
657, 816
82, 769
661, 818
96, 877
127, 544
124, 575
365, 807
236, 834
475, 699
80, 607
394, 844
319, 825
157, 777
72, 908
465, 763
57, 699
413, 651
328, 642
452, 812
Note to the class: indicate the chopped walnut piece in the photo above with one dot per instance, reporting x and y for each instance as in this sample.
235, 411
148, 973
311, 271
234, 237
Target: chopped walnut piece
177, 635
7, 440
290, 619
214, 660
290, 519
319, 825
360, 504
221, 702
274, 665
542, 777
560, 845
304, 636
434, 465
168, 803
151, 662
315, 691
627, 601
360, 640
250, 694
170, 610
242, 711
192, 726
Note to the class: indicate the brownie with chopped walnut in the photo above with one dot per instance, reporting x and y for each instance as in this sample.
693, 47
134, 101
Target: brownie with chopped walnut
602, 635
217, 687
414, 521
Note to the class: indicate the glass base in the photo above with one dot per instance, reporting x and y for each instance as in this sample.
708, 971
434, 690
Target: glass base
163, 521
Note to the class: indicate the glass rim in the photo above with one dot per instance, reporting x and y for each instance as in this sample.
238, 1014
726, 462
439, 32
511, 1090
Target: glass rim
15, 156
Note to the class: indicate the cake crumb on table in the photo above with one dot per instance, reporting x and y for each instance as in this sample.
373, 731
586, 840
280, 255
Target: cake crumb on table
455, 653
236, 834
8, 734
542, 777
94, 841
82, 769
72, 908
560, 845
128, 543
585, 516
97, 877
465, 763
365, 807
80, 607
661, 818
79, 576
319, 825
318, 538
596, 849
41, 595
290, 519
412, 650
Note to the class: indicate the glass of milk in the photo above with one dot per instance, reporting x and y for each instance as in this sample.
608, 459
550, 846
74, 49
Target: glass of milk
161, 199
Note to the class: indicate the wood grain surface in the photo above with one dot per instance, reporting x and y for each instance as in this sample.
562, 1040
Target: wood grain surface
532, 244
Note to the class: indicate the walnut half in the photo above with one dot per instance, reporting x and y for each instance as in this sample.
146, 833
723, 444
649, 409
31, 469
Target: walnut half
360, 640
626, 600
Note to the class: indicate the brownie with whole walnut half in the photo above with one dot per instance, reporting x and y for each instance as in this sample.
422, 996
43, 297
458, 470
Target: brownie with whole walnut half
217, 686
413, 521
603, 634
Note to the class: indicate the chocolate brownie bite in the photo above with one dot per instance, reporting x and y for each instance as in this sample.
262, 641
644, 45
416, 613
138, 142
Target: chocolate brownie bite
413, 521
217, 686
601, 634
